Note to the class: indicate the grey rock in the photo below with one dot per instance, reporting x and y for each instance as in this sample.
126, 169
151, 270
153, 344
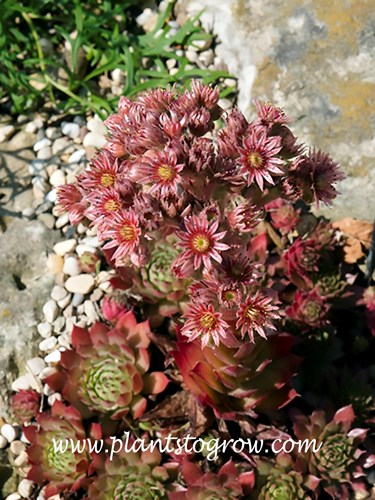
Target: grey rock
25, 286
315, 60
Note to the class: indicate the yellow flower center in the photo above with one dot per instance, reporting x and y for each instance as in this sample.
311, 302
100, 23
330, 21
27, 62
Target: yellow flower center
166, 172
107, 180
111, 205
255, 159
208, 321
128, 233
201, 243
250, 312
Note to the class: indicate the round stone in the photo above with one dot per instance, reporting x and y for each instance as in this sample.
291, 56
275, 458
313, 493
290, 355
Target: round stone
17, 447
70, 129
50, 311
25, 488
62, 221
21, 460
63, 303
57, 178
44, 153
71, 267
58, 293
97, 126
48, 344
25, 382
44, 330
94, 139
14, 496
36, 365
9, 432
66, 246
83, 283
55, 263
53, 357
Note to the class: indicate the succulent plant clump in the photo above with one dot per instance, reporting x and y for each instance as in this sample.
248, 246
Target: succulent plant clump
107, 370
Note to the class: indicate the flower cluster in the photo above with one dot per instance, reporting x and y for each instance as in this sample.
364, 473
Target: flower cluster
177, 203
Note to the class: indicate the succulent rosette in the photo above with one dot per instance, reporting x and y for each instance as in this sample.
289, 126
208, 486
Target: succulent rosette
340, 461
278, 479
25, 405
228, 482
309, 308
236, 381
131, 475
62, 471
107, 370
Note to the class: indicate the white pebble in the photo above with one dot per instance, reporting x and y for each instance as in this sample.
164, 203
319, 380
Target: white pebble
94, 139
47, 371
63, 303
77, 156
96, 295
53, 357
59, 324
58, 293
91, 241
118, 76
90, 311
71, 266
54, 397
53, 133
3, 442
68, 312
70, 129
97, 126
70, 322
9, 432
13, 496
62, 145
66, 246
50, 311
30, 128
17, 447
82, 323
51, 196
44, 154
44, 330
105, 286
36, 166
25, 488
25, 382
81, 249
22, 459
36, 365
47, 391
6, 132
43, 143
48, 344
64, 340
57, 178
62, 221
83, 283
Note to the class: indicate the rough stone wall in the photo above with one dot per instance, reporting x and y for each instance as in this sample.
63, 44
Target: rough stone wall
316, 59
